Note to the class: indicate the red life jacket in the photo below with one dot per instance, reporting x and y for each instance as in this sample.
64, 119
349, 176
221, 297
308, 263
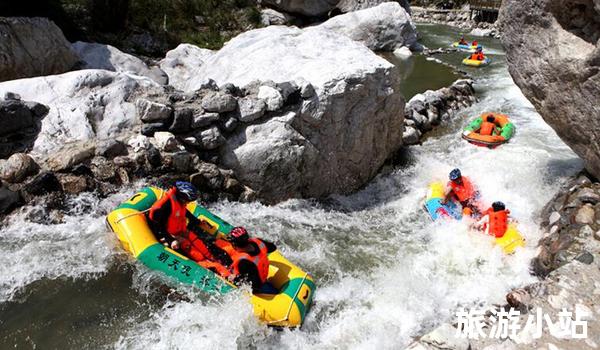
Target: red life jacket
498, 222
474, 43
261, 260
177, 223
464, 190
477, 56
487, 128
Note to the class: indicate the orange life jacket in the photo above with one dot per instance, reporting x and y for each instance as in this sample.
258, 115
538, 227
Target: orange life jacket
477, 56
498, 222
464, 190
177, 223
487, 128
261, 260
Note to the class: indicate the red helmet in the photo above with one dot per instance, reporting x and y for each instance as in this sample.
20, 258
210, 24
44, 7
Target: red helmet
238, 235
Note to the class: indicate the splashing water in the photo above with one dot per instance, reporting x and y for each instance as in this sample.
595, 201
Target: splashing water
384, 272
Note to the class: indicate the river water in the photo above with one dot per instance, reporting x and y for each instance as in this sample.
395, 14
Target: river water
385, 273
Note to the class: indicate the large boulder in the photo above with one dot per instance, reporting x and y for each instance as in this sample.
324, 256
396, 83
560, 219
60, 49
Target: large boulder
382, 28
20, 124
101, 56
182, 62
355, 5
554, 57
84, 105
302, 7
347, 120
33, 47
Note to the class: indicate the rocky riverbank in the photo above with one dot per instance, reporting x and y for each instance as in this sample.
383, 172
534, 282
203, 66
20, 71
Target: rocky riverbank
568, 264
456, 18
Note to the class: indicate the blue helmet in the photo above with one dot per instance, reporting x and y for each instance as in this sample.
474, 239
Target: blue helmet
497, 206
455, 174
186, 191
479, 47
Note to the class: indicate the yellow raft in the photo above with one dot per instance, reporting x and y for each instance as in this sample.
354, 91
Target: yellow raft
511, 240
476, 63
285, 307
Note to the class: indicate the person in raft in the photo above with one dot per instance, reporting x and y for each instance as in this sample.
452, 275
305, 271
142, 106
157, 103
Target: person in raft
176, 227
249, 257
488, 127
495, 220
461, 188
475, 43
462, 41
478, 54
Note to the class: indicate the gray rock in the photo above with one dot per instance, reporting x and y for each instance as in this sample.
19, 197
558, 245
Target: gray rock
251, 108
587, 195
33, 47
182, 121
165, 141
150, 129
103, 169
18, 167
444, 337
287, 89
111, 148
153, 157
12, 96
210, 138
180, 65
150, 111
558, 68
307, 90
9, 200
216, 101
382, 28
71, 155
230, 124
355, 5
585, 258
207, 177
182, 162
43, 183
553, 219
102, 56
411, 136
73, 184
203, 120
270, 17
233, 186
585, 215
302, 7
124, 162
271, 96
20, 124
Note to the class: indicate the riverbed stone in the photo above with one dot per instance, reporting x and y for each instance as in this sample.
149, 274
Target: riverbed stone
588, 195
585, 215
211, 138
71, 155
411, 136
182, 121
271, 97
73, 184
151, 111
219, 102
204, 119
111, 148
553, 219
166, 141
251, 108
17, 167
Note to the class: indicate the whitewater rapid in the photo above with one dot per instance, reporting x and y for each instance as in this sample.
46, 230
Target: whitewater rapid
385, 273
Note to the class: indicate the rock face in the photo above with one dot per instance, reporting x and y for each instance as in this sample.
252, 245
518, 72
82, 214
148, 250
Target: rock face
32, 47
381, 28
554, 57
20, 124
100, 56
355, 5
83, 104
302, 7
345, 121
181, 63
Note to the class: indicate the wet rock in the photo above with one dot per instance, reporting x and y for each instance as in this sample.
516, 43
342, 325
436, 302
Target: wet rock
182, 162
587, 195
230, 124
33, 47
271, 97
219, 102
124, 162
411, 136
210, 139
151, 128
207, 177
402, 52
12, 96
165, 141
71, 155
270, 17
73, 184
154, 158
150, 111
42, 184
9, 200
205, 119
585, 215
139, 143
182, 121
233, 186
444, 337
307, 90
248, 195
18, 167
553, 219
102, 169
585, 258
251, 108
20, 124
110, 148
519, 299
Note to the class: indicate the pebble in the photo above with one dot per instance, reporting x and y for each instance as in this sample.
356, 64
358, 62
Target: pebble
585, 215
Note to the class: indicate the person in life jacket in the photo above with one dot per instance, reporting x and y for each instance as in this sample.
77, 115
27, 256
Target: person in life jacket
478, 54
249, 257
461, 188
462, 41
177, 228
488, 127
475, 43
495, 220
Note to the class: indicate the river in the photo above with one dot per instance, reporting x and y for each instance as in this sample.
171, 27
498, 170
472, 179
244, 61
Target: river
385, 273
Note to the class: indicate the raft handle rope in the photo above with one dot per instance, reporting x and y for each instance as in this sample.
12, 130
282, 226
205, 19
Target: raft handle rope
139, 212
287, 315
